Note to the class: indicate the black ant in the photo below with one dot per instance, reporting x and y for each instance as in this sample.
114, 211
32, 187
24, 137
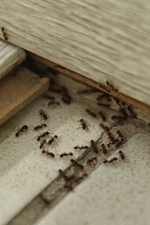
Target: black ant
91, 160
22, 129
121, 155
104, 149
111, 86
123, 111
105, 96
82, 147
42, 144
66, 154
104, 127
4, 33
112, 139
102, 116
91, 113
77, 164
55, 90
83, 124
52, 139
131, 112
53, 103
51, 154
66, 178
43, 114
42, 135
84, 92
68, 187
87, 91
111, 160
119, 134
48, 153
104, 87
94, 147
118, 144
65, 98
40, 126
49, 97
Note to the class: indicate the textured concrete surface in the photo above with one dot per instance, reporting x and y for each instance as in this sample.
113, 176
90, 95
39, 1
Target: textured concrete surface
117, 193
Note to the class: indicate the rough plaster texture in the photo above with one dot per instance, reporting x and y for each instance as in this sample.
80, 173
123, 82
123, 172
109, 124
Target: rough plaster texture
116, 194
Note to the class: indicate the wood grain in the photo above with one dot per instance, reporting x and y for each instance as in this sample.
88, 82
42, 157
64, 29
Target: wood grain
18, 91
90, 82
10, 57
101, 40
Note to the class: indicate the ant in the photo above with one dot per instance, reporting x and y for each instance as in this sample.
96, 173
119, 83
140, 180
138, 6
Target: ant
112, 139
104, 127
119, 134
83, 124
104, 87
51, 154
68, 187
77, 164
111, 160
48, 153
42, 135
43, 114
104, 149
22, 129
82, 147
88, 91
106, 105
52, 139
131, 112
65, 177
42, 144
66, 154
40, 126
49, 97
123, 111
78, 180
91, 113
94, 147
121, 155
102, 116
53, 103
4, 33
105, 96
110, 85
65, 98
55, 90
91, 160
119, 143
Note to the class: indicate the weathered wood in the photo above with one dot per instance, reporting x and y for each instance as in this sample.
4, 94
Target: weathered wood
90, 82
102, 40
18, 91
10, 57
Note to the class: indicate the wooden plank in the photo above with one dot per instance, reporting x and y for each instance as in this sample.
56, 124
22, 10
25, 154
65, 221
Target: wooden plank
18, 91
102, 40
10, 57
91, 82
